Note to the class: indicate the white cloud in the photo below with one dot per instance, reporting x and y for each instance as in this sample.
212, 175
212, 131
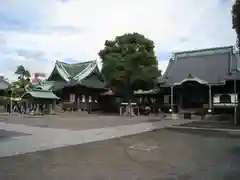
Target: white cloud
77, 29
13, 60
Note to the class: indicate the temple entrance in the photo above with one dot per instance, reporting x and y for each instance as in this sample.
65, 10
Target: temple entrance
193, 95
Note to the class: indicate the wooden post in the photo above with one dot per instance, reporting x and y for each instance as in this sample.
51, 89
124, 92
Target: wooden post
11, 104
50, 108
181, 101
235, 103
210, 97
54, 104
78, 102
37, 109
120, 111
172, 98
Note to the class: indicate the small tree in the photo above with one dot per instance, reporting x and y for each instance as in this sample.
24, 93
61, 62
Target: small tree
18, 86
236, 19
129, 63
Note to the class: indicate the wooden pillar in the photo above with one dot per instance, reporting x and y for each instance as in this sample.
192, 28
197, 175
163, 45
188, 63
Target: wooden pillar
54, 104
37, 111
235, 101
78, 102
180, 100
120, 111
26, 107
89, 104
50, 108
210, 96
172, 98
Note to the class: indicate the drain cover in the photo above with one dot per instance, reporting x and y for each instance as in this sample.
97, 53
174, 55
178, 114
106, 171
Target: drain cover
143, 147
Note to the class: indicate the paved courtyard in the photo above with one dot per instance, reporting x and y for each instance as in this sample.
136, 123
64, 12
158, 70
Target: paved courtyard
116, 148
36, 138
77, 121
166, 154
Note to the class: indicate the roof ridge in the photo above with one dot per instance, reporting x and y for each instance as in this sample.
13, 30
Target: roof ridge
62, 69
93, 65
72, 64
203, 52
204, 49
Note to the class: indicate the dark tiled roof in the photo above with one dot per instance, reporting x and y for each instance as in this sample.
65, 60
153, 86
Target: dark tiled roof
4, 84
235, 73
209, 65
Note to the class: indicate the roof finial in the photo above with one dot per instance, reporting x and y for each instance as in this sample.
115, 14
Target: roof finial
190, 75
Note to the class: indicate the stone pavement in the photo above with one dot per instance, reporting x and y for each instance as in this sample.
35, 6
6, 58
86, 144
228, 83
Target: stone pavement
48, 138
158, 155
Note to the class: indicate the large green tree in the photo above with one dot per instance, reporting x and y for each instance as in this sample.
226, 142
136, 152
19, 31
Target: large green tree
129, 63
236, 19
18, 86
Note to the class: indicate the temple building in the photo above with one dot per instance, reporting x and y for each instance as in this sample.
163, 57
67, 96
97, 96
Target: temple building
78, 85
39, 98
207, 78
4, 86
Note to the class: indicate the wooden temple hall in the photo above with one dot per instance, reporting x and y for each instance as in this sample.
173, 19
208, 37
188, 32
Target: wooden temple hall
78, 85
202, 79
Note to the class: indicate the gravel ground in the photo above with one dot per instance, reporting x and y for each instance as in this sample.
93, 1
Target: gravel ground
159, 155
8, 134
77, 121
212, 124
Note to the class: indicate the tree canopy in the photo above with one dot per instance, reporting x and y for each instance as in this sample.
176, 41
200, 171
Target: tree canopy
22, 72
236, 19
18, 86
129, 61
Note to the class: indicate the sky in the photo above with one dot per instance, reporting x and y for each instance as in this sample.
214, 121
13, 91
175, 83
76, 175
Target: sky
36, 33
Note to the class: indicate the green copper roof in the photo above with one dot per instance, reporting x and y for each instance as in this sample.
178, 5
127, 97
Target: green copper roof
85, 73
93, 82
44, 86
40, 95
74, 69
40, 91
77, 71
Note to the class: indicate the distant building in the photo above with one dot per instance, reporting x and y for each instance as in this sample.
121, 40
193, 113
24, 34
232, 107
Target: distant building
36, 79
4, 85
